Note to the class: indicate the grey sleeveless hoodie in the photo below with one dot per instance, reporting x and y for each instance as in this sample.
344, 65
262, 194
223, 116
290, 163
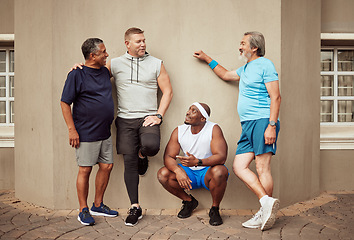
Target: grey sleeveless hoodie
136, 83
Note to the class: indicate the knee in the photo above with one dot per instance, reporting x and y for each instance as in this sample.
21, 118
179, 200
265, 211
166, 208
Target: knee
237, 170
85, 171
262, 169
163, 175
151, 146
106, 167
220, 173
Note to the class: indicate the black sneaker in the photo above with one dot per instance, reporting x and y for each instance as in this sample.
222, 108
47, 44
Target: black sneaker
187, 208
134, 215
143, 165
215, 219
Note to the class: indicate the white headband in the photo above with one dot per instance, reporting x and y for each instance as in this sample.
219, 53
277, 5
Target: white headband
201, 110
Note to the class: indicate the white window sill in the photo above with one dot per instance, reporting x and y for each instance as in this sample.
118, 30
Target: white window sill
7, 137
337, 137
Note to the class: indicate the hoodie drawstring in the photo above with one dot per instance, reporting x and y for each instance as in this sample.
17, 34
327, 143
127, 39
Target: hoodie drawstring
132, 69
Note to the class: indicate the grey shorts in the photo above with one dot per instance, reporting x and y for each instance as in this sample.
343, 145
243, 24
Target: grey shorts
91, 153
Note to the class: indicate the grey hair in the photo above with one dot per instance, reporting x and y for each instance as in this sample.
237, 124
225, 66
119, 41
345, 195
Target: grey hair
256, 40
90, 46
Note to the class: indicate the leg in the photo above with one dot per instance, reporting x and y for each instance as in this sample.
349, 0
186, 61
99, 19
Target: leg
241, 169
101, 183
82, 185
216, 180
169, 182
150, 144
264, 172
131, 177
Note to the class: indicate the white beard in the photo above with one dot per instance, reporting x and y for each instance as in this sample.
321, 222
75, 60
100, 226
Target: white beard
244, 57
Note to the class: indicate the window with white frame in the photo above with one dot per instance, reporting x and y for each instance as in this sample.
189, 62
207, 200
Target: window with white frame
337, 86
7, 90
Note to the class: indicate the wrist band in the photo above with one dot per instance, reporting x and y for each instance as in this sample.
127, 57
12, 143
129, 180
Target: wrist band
213, 64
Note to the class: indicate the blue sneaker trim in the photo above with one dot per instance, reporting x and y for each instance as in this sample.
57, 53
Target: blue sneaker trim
85, 217
103, 210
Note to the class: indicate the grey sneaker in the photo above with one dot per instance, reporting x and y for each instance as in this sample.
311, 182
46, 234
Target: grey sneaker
269, 213
255, 221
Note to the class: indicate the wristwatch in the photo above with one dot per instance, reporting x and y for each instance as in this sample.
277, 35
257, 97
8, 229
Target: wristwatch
200, 162
272, 123
160, 117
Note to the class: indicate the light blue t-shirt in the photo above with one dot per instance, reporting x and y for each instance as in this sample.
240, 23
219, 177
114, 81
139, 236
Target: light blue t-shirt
254, 101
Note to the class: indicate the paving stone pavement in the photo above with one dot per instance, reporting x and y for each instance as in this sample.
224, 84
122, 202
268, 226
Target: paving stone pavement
328, 216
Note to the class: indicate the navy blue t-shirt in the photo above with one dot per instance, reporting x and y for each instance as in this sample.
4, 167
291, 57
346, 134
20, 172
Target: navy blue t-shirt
90, 91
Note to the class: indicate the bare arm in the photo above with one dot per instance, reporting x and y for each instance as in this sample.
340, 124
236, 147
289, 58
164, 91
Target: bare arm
219, 70
74, 140
218, 147
165, 85
171, 151
275, 99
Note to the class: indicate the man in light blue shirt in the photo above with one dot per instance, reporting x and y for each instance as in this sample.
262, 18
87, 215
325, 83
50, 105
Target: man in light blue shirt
258, 107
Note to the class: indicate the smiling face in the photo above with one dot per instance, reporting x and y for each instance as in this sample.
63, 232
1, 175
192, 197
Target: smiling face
100, 56
193, 116
246, 52
136, 45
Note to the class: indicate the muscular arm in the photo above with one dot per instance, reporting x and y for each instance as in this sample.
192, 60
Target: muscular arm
74, 140
219, 70
275, 99
171, 151
218, 147
165, 86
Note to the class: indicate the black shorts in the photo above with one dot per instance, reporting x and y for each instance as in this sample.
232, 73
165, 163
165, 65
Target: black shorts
131, 132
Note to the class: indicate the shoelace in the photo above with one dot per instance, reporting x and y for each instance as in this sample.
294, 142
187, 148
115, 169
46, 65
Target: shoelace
85, 214
257, 215
106, 209
133, 211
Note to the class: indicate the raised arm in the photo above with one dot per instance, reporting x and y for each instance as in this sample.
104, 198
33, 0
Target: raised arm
219, 70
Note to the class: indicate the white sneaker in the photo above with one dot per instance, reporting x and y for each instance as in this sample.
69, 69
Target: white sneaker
270, 209
255, 221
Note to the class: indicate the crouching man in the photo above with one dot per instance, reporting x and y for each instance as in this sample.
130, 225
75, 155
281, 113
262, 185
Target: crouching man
205, 152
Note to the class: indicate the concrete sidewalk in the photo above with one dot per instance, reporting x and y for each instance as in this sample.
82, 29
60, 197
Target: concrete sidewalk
329, 216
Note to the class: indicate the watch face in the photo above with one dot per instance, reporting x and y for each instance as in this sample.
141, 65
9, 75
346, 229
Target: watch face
159, 116
272, 123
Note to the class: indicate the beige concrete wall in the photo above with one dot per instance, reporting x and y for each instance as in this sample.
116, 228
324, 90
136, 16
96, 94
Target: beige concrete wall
7, 168
337, 16
34, 125
7, 16
336, 170
174, 30
299, 143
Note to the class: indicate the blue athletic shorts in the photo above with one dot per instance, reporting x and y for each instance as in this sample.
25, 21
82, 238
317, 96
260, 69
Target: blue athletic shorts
252, 137
197, 176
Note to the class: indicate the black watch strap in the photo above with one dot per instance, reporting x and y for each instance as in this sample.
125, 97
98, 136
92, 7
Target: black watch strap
160, 117
200, 162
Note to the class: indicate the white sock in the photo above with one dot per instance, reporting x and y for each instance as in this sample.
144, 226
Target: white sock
263, 200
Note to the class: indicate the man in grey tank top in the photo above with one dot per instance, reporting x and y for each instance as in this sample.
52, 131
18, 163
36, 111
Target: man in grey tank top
137, 76
205, 150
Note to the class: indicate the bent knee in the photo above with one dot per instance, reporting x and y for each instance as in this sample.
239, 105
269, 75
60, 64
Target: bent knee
220, 172
163, 175
151, 145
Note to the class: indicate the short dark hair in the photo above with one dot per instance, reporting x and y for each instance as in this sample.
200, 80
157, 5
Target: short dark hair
90, 46
256, 40
132, 30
